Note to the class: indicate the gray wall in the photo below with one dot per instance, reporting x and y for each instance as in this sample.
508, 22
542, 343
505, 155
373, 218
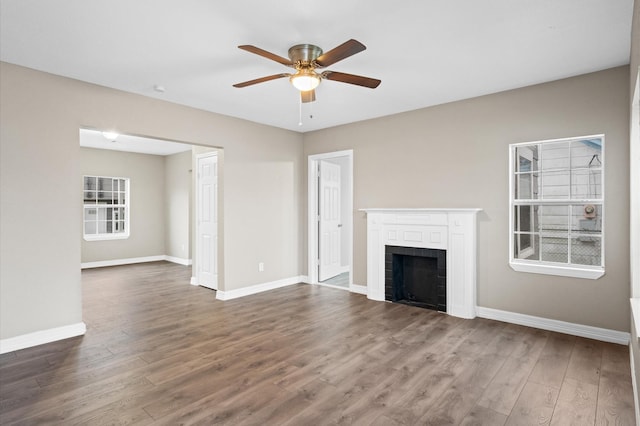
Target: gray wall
456, 155
40, 164
147, 201
177, 205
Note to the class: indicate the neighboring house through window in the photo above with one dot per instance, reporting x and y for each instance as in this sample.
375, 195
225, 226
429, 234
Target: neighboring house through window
106, 208
557, 207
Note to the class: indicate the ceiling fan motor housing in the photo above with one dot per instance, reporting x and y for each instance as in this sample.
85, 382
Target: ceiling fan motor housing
304, 54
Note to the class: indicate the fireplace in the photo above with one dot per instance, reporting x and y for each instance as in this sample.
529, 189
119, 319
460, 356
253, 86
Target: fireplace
416, 277
451, 231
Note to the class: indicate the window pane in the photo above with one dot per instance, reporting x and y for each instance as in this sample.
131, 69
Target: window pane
586, 153
102, 226
89, 197
526, 246
586, 184
90, 214
554, 247
89, 183
90, 228
586, 219
122, 198
105, 197
105, 184
555, 156
119, 226
527, 158
526, 186
526, 218
553, 218
555, 185
586, 250
122, 185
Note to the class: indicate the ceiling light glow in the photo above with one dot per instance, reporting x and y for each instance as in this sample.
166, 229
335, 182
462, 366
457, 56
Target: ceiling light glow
305, 80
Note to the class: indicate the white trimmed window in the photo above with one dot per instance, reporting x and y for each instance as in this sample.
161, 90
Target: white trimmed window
556, 211
106, 208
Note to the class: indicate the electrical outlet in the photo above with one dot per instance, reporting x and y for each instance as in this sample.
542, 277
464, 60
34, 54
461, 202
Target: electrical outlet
261, 267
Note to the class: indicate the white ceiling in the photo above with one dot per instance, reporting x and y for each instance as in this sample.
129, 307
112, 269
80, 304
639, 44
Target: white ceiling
426, 52
95, 139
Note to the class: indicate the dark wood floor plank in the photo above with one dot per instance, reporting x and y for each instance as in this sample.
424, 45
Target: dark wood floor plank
161, 351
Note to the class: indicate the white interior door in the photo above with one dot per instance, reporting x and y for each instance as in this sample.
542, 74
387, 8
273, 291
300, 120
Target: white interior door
207, 221
329, 221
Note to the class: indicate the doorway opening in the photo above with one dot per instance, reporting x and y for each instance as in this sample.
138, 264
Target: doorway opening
330, 219
162, 203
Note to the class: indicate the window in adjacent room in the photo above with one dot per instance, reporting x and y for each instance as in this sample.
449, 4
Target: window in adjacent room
557, 207
106, 207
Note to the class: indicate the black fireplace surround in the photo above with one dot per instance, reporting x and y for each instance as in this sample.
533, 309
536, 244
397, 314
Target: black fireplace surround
416, 276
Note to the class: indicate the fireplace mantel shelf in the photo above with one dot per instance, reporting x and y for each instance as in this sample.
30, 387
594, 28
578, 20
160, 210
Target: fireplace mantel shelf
450, 229
419, 210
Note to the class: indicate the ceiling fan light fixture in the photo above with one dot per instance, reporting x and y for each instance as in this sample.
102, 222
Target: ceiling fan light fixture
305, 80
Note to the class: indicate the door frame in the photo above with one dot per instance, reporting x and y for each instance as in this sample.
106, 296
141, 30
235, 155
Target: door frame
198, 248
312, 217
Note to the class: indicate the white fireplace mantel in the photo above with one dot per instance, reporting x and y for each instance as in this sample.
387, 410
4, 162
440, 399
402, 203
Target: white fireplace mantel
453, 230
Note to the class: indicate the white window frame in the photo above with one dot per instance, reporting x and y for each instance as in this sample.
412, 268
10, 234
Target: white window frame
126, 206
546, 267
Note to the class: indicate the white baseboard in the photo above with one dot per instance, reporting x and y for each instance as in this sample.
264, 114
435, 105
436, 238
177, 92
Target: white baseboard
258, 288
178, 260
360, 289
41, 337
603, 334
132, 260
194, 281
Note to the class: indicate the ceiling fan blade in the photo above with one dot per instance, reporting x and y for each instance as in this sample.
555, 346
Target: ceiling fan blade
308, 96
266, 54
346, 49
261, 80
358, 80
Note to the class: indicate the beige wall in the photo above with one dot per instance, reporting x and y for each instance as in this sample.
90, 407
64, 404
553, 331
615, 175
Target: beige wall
456, 155
40, 163
147, 200
177, 201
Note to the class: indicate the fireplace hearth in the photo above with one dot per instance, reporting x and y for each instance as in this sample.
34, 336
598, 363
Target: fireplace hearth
416, 277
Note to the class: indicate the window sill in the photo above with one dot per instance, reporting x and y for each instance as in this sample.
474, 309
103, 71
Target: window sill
105, 237
592, 273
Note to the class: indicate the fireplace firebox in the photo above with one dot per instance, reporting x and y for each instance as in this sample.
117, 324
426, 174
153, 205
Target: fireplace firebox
416, 276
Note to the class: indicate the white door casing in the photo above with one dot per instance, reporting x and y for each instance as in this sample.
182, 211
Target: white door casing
329, 220
207, 220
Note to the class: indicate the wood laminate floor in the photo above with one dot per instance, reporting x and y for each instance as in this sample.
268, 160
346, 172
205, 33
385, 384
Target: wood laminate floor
160, 351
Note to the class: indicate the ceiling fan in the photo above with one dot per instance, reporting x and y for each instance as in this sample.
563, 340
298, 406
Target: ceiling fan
305, 59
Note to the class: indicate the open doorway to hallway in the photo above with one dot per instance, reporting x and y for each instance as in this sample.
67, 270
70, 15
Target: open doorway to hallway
330, 208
